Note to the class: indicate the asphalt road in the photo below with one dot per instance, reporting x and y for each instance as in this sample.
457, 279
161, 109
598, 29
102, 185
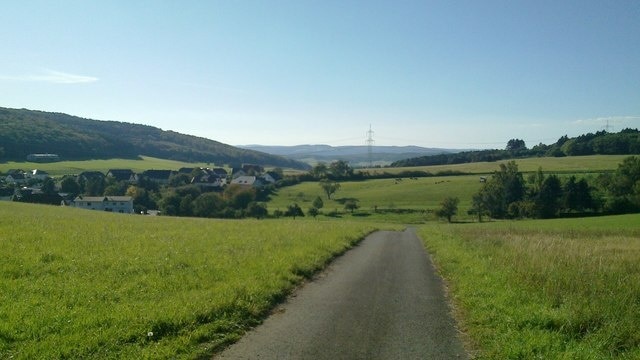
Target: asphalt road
381, 300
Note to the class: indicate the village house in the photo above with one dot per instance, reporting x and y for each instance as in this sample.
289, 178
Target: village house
118, 204
40, 175
208, 181
15, 178
159, 176
271, 177
90, 175
123, 175
248, 181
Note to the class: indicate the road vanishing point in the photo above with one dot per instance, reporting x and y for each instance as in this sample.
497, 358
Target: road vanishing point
381, 300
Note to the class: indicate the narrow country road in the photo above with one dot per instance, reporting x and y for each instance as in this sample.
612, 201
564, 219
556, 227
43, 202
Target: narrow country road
381, 300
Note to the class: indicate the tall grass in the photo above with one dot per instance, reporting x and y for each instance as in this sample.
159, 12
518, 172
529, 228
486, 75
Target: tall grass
545, 289
82, 284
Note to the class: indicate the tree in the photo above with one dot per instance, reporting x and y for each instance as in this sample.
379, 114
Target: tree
94, 186
547, 203
478, 207
351, 205
516, 145
208, 205
448, 208
320, 170
329, 187
239, 197
340, 169
313, 211
69, 185
257, 210
317, 203
294, 210
48, 186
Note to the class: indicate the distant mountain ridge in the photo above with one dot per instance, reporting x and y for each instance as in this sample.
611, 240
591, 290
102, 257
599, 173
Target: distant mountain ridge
23, 132
355, 155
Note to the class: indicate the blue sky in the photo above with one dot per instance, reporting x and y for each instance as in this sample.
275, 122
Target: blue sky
458, 74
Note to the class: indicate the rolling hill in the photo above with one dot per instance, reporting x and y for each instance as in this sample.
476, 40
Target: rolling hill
24, 132
356, 155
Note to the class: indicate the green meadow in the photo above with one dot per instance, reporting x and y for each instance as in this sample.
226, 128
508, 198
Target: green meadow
76, 167
388, 196
569, 164
84, 284
561, 289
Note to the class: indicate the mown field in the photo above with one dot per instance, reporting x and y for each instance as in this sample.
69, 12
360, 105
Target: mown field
552, 289
82, 284
76, 167
569, 164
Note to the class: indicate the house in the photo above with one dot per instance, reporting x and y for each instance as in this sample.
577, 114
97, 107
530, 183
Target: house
220, 172
39, 174
246, 181
16, 178
210, 181
159, 176
247, 170
271, 177
126, 175
91, 175
186, 170
119, 204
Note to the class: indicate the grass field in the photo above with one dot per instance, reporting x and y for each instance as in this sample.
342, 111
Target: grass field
570, 164
561, 289
386, 194
76, 167
83, 284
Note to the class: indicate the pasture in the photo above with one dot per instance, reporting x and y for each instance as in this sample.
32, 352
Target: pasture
569, 164
387, 195
563, 289
84, 284
76, 167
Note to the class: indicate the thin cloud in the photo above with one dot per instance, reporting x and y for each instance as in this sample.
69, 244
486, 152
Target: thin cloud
53, 77
610, 119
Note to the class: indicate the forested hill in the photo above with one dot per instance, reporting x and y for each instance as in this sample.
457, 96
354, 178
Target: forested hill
24, 132
625, 142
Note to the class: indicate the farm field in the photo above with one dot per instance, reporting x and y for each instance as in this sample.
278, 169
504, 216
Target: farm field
76, 167
569, 164
563, 289
83, 284
387, 194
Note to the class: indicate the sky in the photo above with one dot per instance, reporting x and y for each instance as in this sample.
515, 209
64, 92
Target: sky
445, 74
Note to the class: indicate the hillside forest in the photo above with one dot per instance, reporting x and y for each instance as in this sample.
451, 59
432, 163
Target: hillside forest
24, 132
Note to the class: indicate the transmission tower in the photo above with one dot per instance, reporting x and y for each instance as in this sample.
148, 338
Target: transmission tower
608, 128
370, 143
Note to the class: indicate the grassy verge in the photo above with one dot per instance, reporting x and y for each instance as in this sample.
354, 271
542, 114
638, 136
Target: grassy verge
82, 284
562, 289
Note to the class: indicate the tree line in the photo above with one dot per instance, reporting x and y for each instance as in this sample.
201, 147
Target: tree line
625, 142
508, 194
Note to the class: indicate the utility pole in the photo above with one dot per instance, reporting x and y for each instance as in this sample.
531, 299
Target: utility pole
370, 143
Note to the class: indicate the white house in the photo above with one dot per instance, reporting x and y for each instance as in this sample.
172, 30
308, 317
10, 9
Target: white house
244, 180
119, 204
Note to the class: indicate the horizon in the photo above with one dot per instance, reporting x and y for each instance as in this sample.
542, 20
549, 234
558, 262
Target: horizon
462, 75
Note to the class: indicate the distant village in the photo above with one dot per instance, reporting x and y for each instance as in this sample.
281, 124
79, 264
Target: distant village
90, 189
